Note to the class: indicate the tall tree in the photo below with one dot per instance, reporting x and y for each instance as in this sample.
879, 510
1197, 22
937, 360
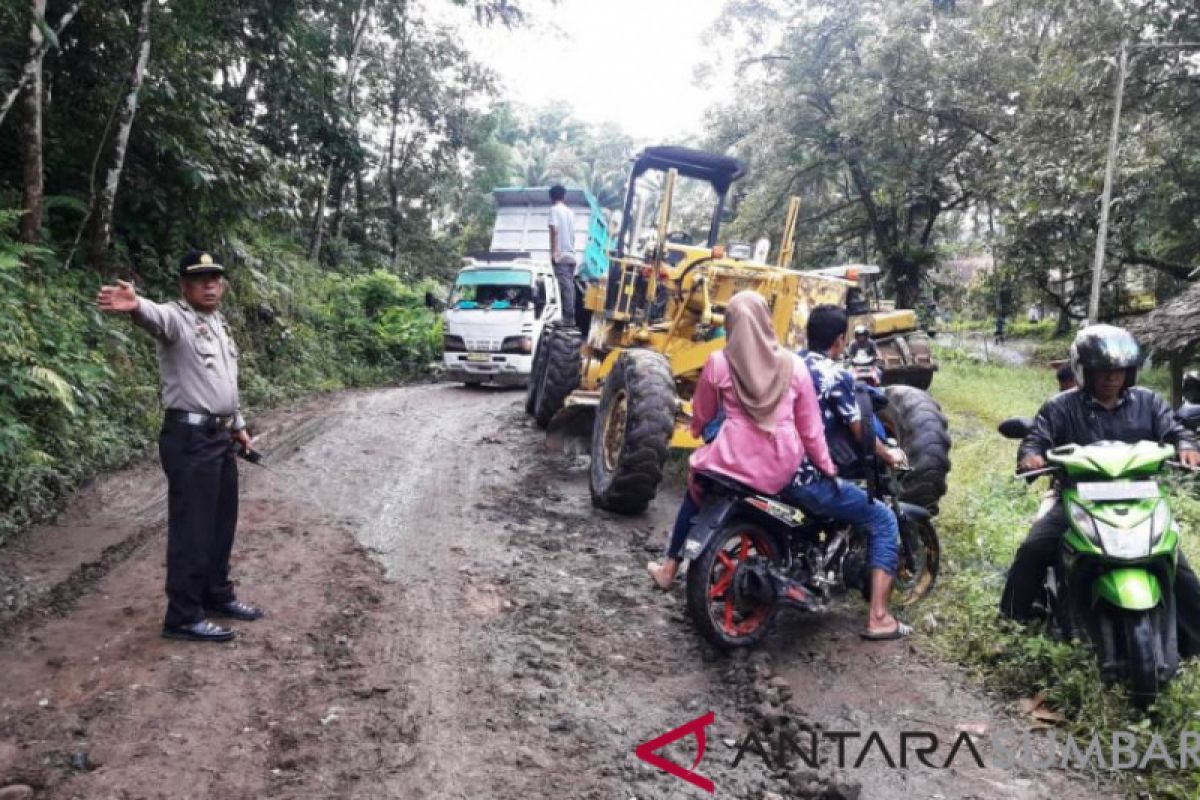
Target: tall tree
34, 61
102, 213
876, 111
33, 185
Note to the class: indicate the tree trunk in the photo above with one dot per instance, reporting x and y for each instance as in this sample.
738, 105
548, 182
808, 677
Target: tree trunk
1176, 364
318, 234
33, 186
906, 276
339, 203
102, 218
358, 34
28, 71
1063, 326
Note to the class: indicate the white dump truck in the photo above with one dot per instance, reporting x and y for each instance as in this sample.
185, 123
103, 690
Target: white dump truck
501, 302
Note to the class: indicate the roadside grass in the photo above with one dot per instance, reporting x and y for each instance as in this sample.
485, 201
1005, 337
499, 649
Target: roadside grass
983, 519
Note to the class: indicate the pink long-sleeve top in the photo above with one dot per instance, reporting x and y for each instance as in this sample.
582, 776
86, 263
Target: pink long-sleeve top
743, 450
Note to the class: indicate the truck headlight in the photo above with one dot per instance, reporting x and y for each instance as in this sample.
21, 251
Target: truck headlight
1084, 522
517, 344
453, 344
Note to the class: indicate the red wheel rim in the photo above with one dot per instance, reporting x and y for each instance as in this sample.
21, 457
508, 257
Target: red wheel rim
733, 620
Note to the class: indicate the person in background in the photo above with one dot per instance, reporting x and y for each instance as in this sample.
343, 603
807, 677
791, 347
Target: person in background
201, 430
562, 251
772, 423
862, 343
1066, 378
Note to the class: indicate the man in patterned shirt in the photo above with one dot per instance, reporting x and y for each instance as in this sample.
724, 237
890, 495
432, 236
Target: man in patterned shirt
836, 498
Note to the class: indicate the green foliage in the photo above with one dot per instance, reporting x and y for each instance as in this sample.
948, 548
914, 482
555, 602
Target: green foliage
68, 399
984, 518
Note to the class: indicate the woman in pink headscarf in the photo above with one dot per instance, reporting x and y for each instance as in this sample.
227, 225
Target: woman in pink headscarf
772, 419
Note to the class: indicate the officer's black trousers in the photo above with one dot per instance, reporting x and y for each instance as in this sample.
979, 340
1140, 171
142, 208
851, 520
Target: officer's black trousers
1039, 552
202, 509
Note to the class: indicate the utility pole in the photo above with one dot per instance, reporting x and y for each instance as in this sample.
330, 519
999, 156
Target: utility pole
1106, 197
1111, 166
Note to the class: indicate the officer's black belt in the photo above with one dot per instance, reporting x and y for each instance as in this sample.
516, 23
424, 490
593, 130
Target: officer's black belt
212, 422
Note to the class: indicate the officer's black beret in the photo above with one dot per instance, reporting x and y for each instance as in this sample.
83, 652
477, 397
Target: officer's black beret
198, 262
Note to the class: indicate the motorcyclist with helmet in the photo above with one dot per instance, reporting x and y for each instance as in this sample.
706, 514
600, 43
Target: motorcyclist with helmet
1105, 406
862, 343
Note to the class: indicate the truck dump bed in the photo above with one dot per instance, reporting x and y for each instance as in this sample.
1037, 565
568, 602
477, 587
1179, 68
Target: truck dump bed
522, 225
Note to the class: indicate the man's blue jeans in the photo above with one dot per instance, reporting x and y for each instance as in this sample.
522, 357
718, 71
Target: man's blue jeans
842, 501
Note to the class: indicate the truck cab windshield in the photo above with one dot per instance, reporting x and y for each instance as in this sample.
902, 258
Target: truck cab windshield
506, 289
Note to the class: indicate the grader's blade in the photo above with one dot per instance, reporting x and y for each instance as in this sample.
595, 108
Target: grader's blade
570, 430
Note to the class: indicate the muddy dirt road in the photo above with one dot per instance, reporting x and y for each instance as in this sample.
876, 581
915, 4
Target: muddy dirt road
449, 619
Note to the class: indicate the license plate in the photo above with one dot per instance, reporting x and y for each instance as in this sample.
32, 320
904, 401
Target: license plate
478, 357
1118, 490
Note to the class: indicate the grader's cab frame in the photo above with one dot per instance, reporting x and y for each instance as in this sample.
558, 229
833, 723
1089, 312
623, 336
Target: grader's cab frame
720, 172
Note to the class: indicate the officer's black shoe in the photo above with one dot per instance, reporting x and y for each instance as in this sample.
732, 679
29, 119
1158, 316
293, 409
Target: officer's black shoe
202, 631
236, 609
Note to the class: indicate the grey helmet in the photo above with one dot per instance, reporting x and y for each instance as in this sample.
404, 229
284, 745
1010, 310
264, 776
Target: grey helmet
1105, 347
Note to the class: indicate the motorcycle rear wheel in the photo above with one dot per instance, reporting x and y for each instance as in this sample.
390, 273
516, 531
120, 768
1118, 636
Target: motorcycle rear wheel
725, 623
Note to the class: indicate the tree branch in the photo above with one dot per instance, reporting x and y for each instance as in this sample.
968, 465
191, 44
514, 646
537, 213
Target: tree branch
28, 72
1180, 271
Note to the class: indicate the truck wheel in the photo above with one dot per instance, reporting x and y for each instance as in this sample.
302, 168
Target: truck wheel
634, 423
560, 373
916, 421
535, 373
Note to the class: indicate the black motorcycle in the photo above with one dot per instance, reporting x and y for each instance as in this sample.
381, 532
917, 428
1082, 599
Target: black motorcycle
744, 543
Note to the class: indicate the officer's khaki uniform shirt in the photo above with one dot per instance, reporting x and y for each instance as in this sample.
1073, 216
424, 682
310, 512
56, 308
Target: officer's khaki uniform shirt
197, 359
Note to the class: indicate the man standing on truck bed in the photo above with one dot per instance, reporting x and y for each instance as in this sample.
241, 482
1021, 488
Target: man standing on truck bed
562, 251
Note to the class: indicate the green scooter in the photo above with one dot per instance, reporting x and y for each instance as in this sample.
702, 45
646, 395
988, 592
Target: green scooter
1114, 585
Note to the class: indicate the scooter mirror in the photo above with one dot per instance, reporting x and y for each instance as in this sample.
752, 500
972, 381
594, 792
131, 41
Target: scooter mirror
1016, 427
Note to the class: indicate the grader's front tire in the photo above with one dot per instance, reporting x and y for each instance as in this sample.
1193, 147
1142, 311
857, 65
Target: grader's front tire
916, 421
634, 423
560, 373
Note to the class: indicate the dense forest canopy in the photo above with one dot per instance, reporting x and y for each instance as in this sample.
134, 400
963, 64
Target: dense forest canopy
901, 123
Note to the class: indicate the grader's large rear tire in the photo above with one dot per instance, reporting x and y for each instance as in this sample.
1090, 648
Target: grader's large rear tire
632, 432
560, 373
916, 421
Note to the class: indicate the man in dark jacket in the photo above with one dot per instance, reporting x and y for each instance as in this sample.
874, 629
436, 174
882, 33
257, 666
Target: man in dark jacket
1106, 406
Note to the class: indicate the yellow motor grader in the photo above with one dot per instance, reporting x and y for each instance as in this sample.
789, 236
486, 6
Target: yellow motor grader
623, 391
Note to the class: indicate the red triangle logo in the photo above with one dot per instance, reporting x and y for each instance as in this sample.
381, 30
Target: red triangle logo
648, 751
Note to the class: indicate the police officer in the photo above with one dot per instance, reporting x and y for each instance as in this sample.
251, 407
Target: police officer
201, 430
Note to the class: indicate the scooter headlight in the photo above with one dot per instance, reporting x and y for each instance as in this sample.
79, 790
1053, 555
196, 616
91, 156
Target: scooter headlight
1160, 523
1084, 522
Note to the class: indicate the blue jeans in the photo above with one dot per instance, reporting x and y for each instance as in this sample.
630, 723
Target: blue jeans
845, 502
683, 521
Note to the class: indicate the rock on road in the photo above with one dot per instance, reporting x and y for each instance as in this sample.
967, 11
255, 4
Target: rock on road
449, 618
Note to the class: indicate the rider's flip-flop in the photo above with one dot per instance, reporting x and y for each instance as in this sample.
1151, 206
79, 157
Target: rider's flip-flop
899, 632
